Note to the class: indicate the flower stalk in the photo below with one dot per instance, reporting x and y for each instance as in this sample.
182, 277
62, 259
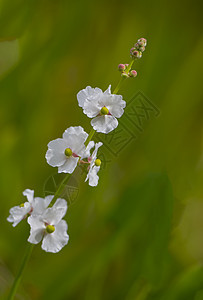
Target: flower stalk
20, 272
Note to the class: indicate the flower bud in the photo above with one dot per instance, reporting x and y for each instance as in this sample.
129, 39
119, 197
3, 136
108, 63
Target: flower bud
97, 162
50, 229
132, 73
142, 49
104, 111
136, 54
142, 42
137, 46
125, 75
121, 67
68, 152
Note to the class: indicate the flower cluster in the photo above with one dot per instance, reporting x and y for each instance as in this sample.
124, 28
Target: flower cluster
138, 49
125, 71
45, 222
76, 147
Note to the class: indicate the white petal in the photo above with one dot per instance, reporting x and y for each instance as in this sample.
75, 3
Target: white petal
115, 105
37, 230
40, 204
18, 213
92, 108
86, 153
92, 176
61, 203
104, 124
53, 215
88, 93
94, 154
69, 166
29, 194
55, 241
55, 155
108, 91
75, 138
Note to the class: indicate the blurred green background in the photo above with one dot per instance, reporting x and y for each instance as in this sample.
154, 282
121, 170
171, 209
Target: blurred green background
139, 234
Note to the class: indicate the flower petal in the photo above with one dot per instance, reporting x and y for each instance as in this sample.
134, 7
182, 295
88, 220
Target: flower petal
55, 155
40, 204
115, 105
108, 90
29, 194
86, 152
92, 108
69, 166
55, 241
94, 154
53, 215
61, 203
37, 230
92, 176
88, 93
75, 138
104, 124
18, 213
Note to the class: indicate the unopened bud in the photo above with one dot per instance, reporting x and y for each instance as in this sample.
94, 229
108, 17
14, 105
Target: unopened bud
121, 67
136, 54
137, 46
142, 42
125, 75
142, 49
133, 73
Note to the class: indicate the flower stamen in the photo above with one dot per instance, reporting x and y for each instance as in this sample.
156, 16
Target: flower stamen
97, 162
68, 152
50, 229
104, 111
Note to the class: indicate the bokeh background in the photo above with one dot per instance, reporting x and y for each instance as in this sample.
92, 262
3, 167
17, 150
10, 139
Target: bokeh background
139, 234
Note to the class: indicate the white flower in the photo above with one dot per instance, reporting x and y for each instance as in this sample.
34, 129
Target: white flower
64, 153
104, 107
94, 167
50, 228
33, 206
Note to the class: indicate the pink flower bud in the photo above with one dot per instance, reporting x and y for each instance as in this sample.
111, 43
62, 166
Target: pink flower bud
136, 54
137, 45
121, 67
132, 73
142, 42
142, 49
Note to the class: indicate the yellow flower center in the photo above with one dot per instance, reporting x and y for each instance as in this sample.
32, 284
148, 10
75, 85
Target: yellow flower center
68, 152
50, 229
104, 111
22, 205
97, 162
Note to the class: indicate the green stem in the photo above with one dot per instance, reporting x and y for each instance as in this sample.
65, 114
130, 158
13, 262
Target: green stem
123, 78
119, 85
90, 136
61, 187
20, 272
